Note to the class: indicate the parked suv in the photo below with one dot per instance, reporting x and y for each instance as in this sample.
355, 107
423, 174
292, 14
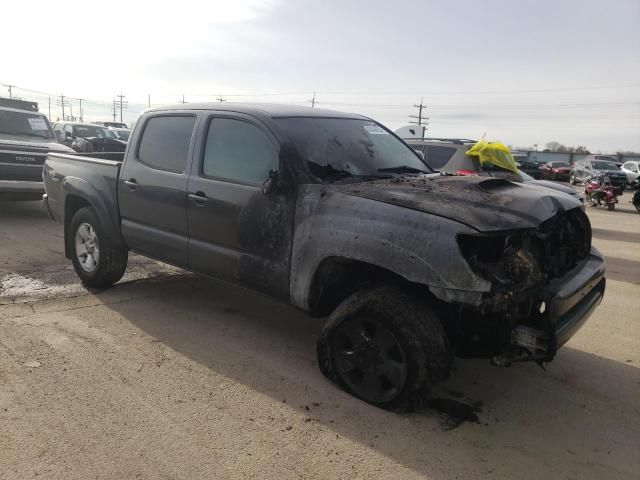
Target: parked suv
584, 170
25, 139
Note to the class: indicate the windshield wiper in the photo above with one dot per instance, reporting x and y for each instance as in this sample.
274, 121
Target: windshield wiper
402, 169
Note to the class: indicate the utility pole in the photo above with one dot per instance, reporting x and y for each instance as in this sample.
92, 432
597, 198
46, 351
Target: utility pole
81, 112
419, 117
313, 100
182, 101
10, 88
61, 102
149, 101
114, 110
123, 104
49, 108
220, 99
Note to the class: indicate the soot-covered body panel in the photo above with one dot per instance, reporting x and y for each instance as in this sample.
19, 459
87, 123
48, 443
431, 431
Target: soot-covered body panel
481, 203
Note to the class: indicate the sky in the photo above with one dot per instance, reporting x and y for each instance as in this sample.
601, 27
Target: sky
522, 72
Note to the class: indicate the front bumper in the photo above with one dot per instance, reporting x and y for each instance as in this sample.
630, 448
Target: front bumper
567, 303
20, 190
20, 186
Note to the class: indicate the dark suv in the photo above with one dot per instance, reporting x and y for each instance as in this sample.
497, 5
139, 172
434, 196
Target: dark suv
584, 170
88, 138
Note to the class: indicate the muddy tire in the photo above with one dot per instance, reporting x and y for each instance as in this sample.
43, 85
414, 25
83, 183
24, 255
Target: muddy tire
96, 259
385, 347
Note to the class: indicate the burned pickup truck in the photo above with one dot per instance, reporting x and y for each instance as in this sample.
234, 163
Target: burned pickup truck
337, 216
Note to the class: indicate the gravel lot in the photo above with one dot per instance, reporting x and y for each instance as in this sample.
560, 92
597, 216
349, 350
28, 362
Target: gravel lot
171, 375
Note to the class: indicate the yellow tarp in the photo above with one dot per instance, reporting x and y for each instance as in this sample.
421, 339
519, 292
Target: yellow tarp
494, 153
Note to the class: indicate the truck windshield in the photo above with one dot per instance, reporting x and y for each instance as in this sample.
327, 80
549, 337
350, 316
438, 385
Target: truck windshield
24, 124
337, 148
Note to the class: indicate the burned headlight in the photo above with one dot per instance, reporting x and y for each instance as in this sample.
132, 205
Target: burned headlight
503, 259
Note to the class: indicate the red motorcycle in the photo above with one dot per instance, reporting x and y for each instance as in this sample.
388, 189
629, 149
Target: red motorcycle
599, 191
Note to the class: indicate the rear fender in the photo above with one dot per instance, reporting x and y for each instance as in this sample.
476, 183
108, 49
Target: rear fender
105, 208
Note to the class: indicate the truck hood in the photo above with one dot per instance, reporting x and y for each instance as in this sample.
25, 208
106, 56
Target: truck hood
486, 204
553, 186
19, 141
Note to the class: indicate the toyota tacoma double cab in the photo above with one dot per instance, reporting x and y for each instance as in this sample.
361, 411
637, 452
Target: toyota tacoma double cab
334, 214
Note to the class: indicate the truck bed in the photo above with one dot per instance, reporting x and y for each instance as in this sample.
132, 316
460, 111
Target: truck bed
87, 179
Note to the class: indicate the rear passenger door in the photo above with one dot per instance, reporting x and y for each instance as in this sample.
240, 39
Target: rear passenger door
152, 188
237, 232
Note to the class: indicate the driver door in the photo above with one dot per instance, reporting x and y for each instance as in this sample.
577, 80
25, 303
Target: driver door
237, 232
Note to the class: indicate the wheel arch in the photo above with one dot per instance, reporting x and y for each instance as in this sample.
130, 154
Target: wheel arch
336, 278
78, 193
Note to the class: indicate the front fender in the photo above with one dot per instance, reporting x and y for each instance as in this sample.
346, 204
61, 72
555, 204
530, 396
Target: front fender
417, 246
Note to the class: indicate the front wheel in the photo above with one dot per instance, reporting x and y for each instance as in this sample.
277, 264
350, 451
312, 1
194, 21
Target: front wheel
96, 259
636, 201
385, 347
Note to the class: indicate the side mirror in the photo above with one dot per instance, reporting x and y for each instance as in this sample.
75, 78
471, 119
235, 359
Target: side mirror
272, 184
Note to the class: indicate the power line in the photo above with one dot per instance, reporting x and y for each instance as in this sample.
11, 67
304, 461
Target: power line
10, 88
123, 104
419, 117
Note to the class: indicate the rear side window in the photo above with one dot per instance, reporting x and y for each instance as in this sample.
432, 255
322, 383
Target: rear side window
437, 157
238, 151
165, 142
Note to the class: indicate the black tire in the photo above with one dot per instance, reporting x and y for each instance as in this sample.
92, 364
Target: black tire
611, 206
112, 260
421, 348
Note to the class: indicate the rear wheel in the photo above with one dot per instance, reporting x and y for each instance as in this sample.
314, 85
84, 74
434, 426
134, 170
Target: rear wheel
96, 259
611, 206
385, 347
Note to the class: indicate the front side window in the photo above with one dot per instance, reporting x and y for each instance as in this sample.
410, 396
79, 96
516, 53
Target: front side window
238, 151
165, 142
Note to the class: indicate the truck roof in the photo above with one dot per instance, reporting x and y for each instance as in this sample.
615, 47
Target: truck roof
273, 110
21, 110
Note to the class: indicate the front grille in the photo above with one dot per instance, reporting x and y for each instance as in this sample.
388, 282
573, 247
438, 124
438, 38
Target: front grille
22, 158
561, 242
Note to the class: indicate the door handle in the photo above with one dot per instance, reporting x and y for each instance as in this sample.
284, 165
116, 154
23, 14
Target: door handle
199, 198
131, 183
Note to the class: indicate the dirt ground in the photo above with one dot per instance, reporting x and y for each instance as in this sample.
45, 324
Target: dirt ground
170, 375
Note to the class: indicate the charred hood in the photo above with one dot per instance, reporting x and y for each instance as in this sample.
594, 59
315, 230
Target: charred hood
486, 204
